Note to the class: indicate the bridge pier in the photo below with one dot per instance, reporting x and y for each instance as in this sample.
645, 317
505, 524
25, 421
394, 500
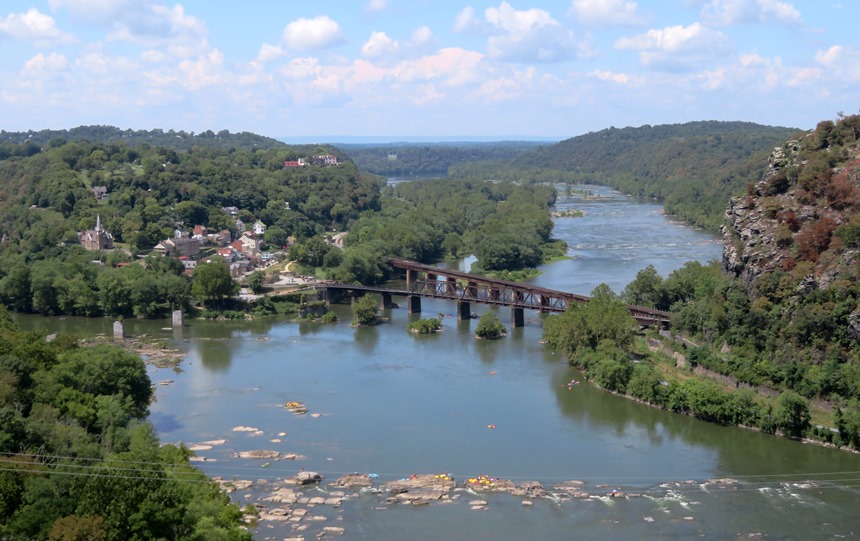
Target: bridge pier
387, 302
517, 317
411, 278
464, 311
413, 304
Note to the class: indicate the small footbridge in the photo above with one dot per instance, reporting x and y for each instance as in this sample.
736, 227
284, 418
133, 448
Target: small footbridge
425, 281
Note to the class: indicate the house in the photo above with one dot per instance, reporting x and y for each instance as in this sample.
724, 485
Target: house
96, 239
231, 211
180, 246
326, 160
100, 192
259, 228
200, 232
295, 163
188, 263
221, 238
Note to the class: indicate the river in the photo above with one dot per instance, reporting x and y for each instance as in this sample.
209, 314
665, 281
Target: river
386, 402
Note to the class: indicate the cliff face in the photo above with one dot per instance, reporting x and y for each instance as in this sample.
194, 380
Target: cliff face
803, 216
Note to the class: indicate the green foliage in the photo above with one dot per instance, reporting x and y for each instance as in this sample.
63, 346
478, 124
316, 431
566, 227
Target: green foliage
585, 326
425, 326
72, 427
692, 168
421, 159
490, 326
256, 282
791, 414
212, 282
365, 311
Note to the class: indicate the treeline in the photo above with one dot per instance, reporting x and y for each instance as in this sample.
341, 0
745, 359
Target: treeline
408, 160
799, 346
692, 168
507, 226
80, 461
13, 143
600, 338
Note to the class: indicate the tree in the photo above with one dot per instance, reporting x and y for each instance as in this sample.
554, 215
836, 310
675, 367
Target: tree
791, 414
646, 289
256, 282
365, 311
490, 326
212, 282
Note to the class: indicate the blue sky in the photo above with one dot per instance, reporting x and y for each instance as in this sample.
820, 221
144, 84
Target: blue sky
537, 68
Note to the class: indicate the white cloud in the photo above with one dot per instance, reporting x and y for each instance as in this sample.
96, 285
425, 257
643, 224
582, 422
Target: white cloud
312, 34
268, 53
42, 63
829, 56
620, 78
528, 36
421, 37
467, 22
376, 5
379, 45
32, 26
608, 12
388, 50
731, 12
155, 25
676, 47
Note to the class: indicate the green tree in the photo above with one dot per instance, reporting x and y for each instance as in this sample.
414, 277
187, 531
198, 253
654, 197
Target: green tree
646, 289
791, 414
212, 283
490, 326
365, 311
256, 281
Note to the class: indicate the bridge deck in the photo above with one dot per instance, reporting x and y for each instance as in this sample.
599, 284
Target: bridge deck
466, 287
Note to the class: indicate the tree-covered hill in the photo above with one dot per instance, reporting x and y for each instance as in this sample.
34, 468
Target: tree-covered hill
176, 140
693, 168
430, 159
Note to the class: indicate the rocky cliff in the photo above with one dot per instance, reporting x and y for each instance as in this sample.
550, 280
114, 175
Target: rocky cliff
802, 219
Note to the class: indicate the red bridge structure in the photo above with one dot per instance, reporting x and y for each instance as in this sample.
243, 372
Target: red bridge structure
465, 288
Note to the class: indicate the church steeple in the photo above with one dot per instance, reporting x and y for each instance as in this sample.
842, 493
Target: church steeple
98, 222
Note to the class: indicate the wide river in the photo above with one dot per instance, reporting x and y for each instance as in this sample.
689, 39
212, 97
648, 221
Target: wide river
394, 404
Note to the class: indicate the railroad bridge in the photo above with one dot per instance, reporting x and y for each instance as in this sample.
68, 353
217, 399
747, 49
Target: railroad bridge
465, 288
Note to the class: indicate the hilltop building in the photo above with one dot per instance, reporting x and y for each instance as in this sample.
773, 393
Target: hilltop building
96, 239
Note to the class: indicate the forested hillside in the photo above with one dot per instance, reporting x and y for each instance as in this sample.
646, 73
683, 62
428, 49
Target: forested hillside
693, 168
430, 159
177, 140
48, 197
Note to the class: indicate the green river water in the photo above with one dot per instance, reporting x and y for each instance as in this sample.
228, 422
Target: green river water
394, 404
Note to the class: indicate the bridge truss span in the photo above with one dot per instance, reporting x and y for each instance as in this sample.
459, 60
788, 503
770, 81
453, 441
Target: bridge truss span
466, 288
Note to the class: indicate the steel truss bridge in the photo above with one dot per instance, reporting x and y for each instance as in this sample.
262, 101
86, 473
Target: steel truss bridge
425, 281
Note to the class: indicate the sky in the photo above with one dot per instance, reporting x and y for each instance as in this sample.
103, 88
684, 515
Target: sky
433, 68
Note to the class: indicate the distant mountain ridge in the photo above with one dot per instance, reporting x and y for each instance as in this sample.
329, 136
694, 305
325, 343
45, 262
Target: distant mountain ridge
693, 168
177, 140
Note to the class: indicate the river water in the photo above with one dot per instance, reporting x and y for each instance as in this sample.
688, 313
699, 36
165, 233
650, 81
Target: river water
386, 402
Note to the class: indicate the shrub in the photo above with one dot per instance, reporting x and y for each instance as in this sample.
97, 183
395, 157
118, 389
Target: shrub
425, 326
490, 326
